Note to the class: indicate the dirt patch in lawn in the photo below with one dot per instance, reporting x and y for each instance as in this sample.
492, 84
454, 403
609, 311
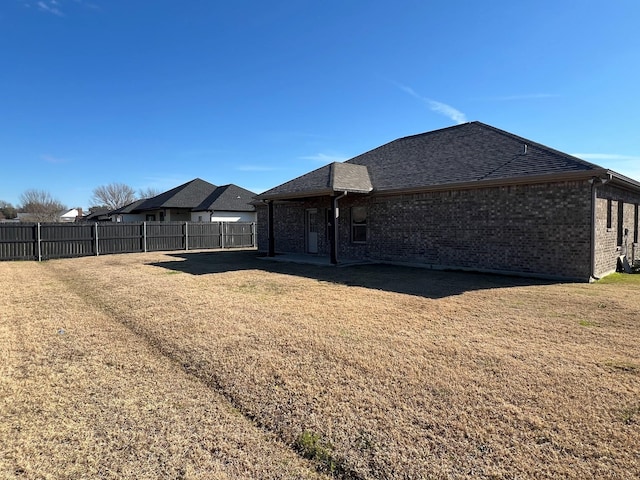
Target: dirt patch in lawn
360, 372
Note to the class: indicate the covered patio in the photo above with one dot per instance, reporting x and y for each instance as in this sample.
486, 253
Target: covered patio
325, 186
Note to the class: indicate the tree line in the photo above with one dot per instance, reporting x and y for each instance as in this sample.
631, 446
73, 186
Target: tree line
40, 206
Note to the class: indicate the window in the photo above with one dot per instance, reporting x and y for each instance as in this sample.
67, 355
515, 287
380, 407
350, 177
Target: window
620, 221
609, 213
359, 224
151, 217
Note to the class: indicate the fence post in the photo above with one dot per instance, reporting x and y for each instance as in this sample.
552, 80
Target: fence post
39, 239
222, 232
97, 248
144, 236
186, 235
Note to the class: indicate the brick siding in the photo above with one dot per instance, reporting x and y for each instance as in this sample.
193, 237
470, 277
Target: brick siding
607, 248
542, 229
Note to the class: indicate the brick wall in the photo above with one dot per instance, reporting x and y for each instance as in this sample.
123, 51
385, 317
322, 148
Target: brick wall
538, 229
290, 226
611, 201
541, 229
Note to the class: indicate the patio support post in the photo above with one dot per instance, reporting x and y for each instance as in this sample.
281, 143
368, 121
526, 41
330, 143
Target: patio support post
272, 241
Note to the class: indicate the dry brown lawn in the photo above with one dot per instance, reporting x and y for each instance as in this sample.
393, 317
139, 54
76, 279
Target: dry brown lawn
223, 365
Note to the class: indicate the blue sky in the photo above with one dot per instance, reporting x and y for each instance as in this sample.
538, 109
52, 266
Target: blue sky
156, 93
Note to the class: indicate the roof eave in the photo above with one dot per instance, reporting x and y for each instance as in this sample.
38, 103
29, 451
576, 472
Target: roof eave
226, 209
623, 181
499, 182
309, 193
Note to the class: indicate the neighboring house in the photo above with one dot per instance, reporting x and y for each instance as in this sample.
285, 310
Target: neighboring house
126, 213
469, 197
194, 201
97, 214
44, 215
71, 215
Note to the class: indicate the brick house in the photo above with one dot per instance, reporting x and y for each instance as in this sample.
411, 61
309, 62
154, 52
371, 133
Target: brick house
469, 197
194, 201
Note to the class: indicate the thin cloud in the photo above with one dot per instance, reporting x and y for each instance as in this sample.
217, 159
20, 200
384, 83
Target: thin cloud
435, 106
607, 156
55, 7
627, 165
325, 158
51, 7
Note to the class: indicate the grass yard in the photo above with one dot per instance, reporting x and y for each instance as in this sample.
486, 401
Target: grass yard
223, 365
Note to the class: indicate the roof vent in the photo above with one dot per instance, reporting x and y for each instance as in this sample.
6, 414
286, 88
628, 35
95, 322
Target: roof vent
524, 152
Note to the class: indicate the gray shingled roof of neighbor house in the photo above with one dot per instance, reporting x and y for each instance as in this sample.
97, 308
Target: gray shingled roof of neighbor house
229, 198
187, 195
468, 153
127, 208
196, 195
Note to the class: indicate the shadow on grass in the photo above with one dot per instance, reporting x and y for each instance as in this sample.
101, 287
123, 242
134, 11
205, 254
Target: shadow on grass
408, 280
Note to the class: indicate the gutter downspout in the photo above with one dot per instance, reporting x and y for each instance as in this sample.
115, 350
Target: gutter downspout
334, 227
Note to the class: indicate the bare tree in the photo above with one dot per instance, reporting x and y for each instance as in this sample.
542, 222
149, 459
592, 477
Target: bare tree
148, 192
40, 206
114, 195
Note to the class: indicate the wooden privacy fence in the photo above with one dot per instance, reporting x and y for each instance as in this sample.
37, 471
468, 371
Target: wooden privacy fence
43, 241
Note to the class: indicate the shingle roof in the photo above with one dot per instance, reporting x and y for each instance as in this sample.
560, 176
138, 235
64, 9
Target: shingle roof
187, 195
196, 195
229, 198
470, 152
350, 178
467, 153
335, 177
127, 208
97, 213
